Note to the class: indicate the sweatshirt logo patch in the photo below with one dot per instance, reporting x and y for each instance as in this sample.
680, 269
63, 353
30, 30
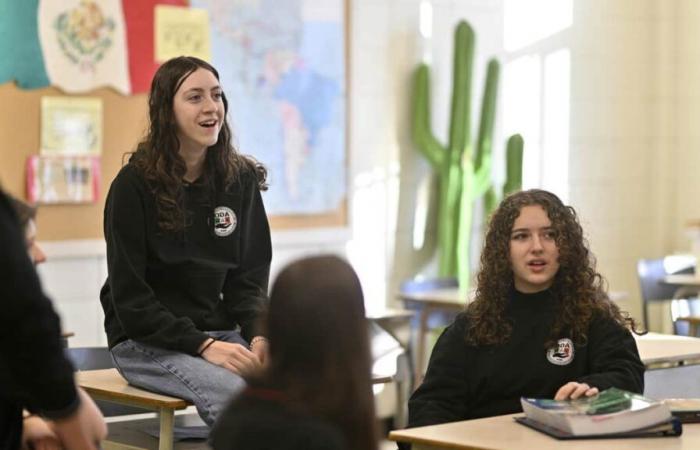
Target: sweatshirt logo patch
562, 353
224, 221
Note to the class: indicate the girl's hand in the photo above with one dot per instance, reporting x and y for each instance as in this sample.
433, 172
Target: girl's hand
37, 434
233, 357
573, 390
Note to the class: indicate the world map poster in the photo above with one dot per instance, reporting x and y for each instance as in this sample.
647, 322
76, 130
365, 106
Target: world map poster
282, 67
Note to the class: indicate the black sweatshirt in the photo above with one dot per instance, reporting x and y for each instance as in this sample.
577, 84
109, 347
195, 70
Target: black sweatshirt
34, 373
263, 419
166, 288
468, 382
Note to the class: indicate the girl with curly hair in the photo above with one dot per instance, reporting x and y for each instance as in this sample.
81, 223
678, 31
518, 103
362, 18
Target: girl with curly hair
188, 248
541, 324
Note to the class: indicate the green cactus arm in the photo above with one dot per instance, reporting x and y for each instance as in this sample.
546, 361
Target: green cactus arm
422, 135
490, 202
488, 113
461, 91
449, 219
466, 212
514, 164
482, 177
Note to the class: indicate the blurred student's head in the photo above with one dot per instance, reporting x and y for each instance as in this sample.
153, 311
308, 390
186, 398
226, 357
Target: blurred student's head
27, 220
319, 344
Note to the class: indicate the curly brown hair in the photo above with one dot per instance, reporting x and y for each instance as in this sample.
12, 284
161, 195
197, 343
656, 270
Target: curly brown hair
579, 290
157, 157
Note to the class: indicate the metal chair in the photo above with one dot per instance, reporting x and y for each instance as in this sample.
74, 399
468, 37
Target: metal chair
685, 312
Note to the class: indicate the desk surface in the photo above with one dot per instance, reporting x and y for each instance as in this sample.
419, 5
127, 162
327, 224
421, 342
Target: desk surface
691, 280
109, 385
502, 432
450, 298
657, 348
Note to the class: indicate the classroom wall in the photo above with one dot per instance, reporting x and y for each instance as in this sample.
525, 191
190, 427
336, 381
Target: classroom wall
634, 138
622, 138
635, 103
684, 87
125, 120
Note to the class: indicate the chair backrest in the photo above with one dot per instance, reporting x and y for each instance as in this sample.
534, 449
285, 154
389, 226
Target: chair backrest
650, 273
417, 285
95, 358
90, 358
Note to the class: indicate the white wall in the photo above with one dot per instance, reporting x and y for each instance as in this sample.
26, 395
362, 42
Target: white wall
621, 141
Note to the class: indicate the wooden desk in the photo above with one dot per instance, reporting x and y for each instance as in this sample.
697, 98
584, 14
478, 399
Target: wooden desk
110, 386
502, 432
426, 303
657, 348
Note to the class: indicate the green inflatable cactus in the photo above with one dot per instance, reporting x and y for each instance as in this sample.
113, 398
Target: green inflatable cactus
514, 174
464, 175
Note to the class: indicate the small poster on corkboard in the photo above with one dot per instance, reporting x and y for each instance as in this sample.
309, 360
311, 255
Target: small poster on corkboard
62, 179
71, 126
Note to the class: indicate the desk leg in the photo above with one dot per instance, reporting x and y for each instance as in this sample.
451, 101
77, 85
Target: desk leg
420, 348
167, 421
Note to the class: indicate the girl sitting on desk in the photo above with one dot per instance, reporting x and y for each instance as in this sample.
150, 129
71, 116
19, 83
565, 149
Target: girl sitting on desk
188, 247
541, 324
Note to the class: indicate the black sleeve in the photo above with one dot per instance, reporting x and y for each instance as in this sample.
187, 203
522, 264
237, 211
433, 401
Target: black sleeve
442, 397
613, 358
245, 288
33, 369
142, 317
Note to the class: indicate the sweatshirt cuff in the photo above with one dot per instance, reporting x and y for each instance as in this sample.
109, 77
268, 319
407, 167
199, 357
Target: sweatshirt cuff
190, 344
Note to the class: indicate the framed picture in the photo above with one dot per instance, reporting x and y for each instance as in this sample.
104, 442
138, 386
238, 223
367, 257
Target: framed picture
62, 179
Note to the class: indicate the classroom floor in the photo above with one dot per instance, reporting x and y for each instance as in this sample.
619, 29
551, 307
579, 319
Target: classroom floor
135, 433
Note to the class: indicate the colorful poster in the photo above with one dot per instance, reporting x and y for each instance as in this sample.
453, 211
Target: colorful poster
63, 179
181, 31
71, 126
282, 66
84, 44
140, 34
20, 52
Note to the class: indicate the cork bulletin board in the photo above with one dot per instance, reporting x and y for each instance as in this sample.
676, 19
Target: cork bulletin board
124, 125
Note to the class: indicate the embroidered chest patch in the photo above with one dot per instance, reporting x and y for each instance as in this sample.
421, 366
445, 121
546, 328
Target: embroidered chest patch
224, 221
562, 353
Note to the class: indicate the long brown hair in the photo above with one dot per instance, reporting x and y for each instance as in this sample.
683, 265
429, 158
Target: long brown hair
319, 345
157, 155
579, 290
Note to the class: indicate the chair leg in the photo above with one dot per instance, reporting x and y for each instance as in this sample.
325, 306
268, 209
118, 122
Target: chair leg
645, 318
167, 422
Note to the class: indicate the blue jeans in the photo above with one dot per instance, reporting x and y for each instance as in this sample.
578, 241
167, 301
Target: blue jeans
208, 386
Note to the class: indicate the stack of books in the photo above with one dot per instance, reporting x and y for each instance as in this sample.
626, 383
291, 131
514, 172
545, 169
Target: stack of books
610, 414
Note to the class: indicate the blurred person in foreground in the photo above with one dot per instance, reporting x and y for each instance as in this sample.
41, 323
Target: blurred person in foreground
34, 373
316, 392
